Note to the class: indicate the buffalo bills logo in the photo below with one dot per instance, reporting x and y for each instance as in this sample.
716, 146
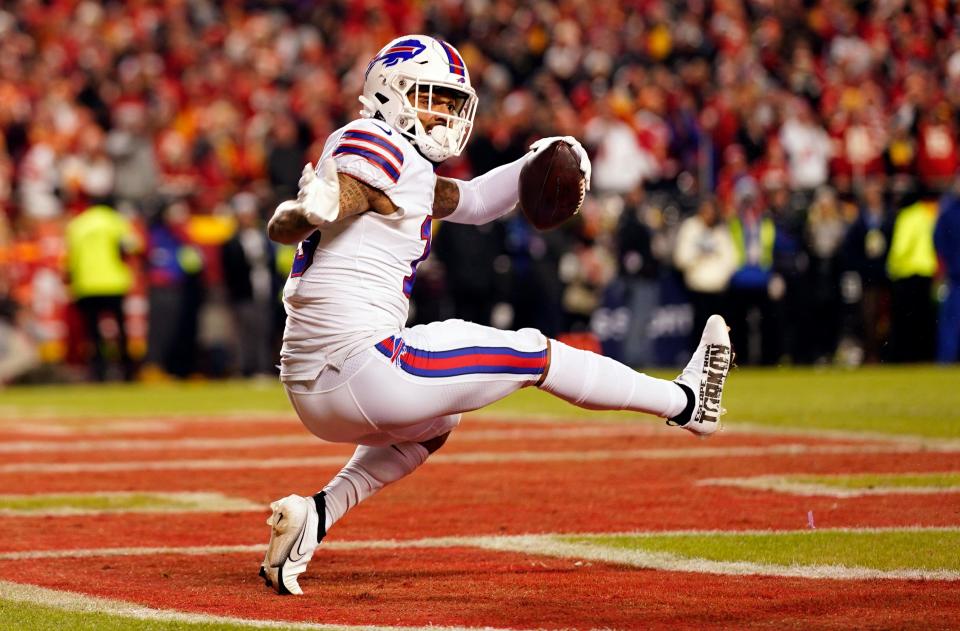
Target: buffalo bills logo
404, 50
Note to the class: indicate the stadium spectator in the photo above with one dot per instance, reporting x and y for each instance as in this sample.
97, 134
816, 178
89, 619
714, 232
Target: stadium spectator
98, 240
173, 268
864, 251
639, 270
807, 145
621, 163
131, 146
18, 351
755, 288
825, 231
198, 101
285, 156
86, 171
937, 157
252, 286
706, 255
946, 238
911, 264
475, 265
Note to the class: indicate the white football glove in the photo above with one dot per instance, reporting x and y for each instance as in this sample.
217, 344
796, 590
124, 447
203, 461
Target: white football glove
585, 166
319, 195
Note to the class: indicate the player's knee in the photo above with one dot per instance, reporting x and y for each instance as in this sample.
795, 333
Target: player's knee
531, 337
435, 443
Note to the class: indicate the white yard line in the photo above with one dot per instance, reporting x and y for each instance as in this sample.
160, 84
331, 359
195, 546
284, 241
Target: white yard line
552, 545
836, 434
281, 440
83, 603
213, 464
783, 484
187, 502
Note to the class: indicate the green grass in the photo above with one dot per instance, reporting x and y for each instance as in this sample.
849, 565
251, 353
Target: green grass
17, 615
114, 502
922, 400
885, 480
143, 400
887, 550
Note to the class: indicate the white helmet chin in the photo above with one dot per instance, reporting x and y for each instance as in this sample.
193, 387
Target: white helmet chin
406, 73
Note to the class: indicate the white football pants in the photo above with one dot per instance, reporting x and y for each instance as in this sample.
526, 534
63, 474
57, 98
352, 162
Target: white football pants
413, 387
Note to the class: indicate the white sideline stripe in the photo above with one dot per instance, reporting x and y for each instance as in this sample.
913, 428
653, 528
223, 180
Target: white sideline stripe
475, 458
40, 424
82, 603
280, 440
782, 484
551, 545
58, 425
748, 428
196, 502
96, 428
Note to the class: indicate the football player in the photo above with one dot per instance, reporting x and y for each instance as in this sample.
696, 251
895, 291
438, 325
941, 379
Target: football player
353, 371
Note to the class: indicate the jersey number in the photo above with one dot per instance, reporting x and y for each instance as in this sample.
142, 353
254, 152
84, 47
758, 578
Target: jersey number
425, 234
304, 257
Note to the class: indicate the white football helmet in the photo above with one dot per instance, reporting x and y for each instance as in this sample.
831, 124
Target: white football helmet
400, 84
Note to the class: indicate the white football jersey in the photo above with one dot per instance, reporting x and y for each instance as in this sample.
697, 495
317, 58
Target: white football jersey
350, 283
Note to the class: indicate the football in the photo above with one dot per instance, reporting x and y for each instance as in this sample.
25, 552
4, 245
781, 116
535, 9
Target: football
551, 186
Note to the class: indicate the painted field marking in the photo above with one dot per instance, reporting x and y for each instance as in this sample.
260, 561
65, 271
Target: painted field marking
281, 440
553, 546
76, 602
476, 458
58, 425
94, 428
835, 434
104, 502
791, 485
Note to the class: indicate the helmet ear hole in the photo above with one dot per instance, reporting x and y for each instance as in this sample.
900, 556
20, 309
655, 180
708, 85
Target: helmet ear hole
384, 99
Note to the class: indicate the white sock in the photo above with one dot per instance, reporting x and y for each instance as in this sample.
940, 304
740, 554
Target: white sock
596, 382
369, 470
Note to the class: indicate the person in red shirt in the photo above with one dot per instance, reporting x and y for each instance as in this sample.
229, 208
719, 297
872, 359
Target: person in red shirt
937, 147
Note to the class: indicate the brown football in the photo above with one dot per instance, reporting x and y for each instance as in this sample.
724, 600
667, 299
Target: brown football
551, 186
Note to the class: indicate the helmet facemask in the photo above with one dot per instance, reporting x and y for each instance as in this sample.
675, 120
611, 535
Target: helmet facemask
450, 130
404, 81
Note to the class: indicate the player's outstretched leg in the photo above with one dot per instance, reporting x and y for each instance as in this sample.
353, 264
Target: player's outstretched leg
692, 401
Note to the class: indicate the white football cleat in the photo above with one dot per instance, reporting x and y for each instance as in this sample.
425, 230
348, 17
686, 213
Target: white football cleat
296, 530
705, 375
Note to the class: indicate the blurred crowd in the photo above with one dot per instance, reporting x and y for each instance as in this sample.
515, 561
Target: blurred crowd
788, 163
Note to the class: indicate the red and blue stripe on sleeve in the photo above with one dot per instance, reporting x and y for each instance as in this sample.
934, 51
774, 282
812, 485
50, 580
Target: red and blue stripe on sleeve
373, 148
463, 361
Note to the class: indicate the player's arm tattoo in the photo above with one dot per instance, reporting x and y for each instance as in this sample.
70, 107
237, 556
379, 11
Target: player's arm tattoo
290, 225
357, 197
446, 197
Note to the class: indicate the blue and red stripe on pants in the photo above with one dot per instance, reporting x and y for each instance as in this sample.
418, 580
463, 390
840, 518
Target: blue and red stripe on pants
463, 361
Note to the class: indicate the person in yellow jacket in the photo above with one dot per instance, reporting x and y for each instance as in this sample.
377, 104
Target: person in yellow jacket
911, 265
98, 240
